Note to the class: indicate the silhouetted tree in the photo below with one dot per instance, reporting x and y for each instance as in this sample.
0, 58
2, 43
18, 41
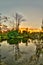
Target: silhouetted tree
18, 19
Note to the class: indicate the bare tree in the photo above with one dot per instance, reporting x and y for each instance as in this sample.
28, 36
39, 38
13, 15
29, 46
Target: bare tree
18, 19
4, 18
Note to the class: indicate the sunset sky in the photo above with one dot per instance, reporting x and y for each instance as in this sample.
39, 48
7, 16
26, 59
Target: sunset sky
31, 9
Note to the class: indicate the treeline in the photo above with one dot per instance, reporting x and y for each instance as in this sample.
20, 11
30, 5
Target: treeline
13, 35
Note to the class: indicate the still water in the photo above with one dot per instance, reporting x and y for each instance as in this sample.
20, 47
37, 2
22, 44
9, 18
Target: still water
28, 55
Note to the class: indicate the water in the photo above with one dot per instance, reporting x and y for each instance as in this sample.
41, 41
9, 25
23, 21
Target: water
28, 54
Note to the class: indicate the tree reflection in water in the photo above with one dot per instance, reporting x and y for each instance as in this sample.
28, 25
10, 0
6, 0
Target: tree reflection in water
14, 39
34, 59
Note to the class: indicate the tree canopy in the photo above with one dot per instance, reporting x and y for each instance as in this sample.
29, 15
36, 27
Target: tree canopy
13, 37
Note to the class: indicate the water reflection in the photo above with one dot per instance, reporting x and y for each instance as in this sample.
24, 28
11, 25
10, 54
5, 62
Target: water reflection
11, 54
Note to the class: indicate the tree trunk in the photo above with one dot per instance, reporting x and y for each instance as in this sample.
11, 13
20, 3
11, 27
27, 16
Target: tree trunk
17, 51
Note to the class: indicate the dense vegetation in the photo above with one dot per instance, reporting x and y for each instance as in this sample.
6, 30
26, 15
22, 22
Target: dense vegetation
14, 37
